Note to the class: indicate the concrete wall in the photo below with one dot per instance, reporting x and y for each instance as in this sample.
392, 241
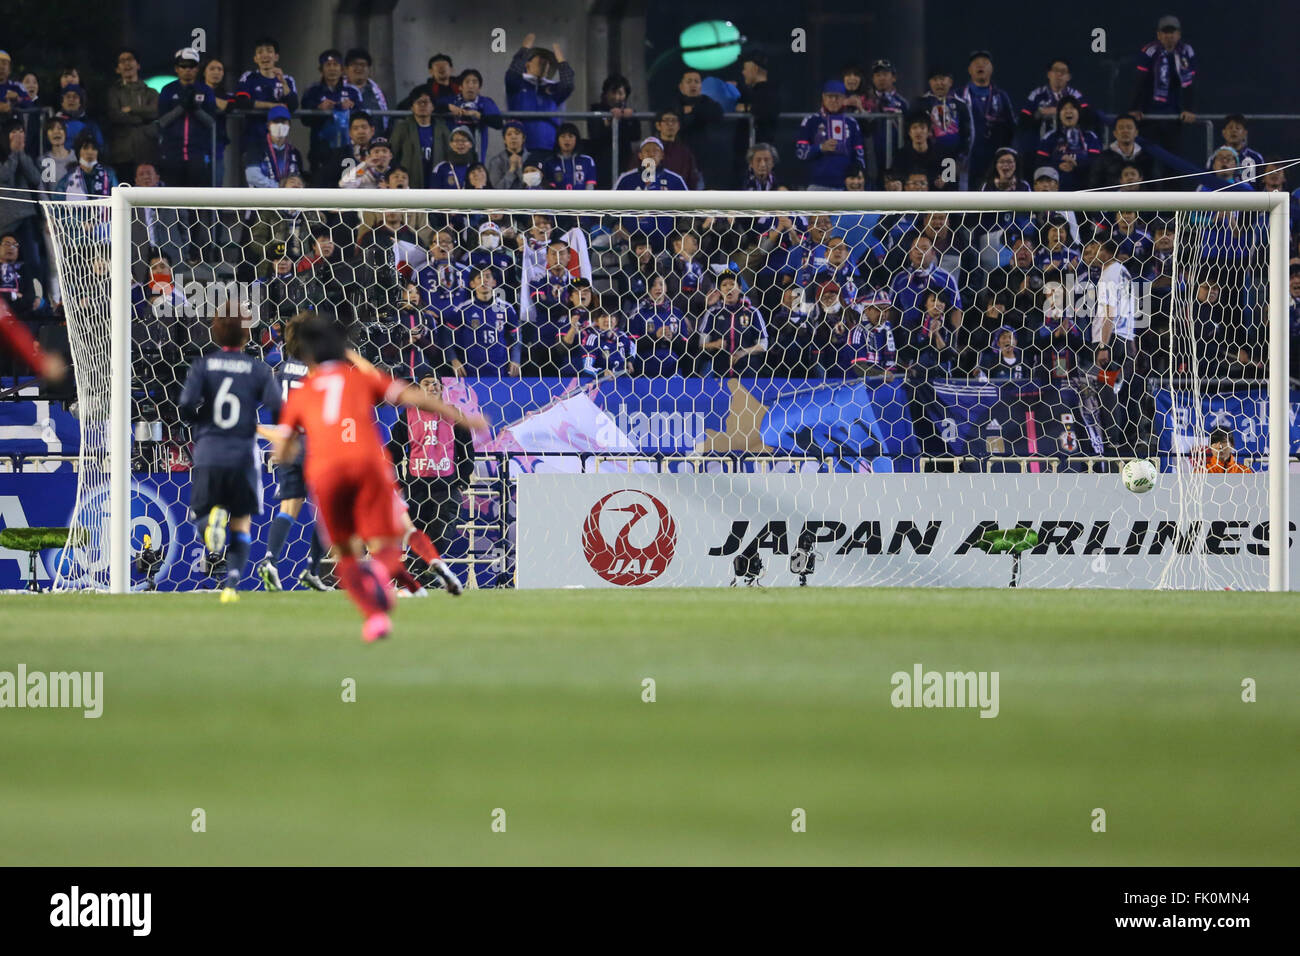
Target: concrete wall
464, 31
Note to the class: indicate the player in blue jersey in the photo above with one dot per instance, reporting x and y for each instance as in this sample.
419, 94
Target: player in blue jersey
291, 484
220, 399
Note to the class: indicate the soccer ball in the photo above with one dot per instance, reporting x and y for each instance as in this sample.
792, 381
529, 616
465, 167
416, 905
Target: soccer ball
1139, 475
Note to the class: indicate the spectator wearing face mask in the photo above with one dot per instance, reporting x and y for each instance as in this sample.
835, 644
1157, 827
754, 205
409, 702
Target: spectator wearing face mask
532, 176
89, 177
266, 165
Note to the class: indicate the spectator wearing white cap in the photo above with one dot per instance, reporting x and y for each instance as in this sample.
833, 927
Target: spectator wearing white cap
650, 175
188, 116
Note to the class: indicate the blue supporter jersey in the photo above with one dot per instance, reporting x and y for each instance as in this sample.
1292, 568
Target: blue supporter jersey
650, 317
1041, 96
910, 288
569, 172
739, 326
660, 178
220, 400
269, 164
265, 89
1073, 143
485, 337
444, 283
487, 107
550, 308
500, 261
871, 345
602, 352
828, 168
449, 175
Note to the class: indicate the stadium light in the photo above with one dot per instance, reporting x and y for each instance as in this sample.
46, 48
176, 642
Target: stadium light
711, 44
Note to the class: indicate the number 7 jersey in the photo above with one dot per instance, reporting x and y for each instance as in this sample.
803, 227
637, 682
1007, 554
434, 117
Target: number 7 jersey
335, 409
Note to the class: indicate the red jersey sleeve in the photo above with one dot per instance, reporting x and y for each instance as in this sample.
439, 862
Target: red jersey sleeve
20, 341
383, 387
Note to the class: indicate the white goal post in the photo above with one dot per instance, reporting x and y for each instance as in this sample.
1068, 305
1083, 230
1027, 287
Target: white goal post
126, 200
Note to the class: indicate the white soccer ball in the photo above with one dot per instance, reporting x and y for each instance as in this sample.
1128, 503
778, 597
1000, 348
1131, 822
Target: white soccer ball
1139, 475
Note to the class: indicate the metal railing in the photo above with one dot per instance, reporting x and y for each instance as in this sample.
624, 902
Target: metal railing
236, 119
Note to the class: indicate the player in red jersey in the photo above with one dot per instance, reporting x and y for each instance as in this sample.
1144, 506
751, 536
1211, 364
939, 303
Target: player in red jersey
347, 467
15, 338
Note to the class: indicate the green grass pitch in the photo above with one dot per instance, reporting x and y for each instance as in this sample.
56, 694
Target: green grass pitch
766, 701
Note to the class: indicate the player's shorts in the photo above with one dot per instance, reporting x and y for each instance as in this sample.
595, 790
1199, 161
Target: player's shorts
358, 498
238, 490
289, 481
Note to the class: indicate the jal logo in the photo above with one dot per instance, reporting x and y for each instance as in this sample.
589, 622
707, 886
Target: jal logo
643, 542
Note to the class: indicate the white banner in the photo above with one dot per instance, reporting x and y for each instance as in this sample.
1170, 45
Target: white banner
686, 530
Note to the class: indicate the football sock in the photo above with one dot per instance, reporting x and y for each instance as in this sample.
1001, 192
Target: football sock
421, 545
201, 525
317, 552
359, 582
278, 534
237, 556
389, 559
406, 580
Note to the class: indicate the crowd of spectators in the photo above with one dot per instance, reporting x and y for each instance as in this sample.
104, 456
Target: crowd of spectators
895, 297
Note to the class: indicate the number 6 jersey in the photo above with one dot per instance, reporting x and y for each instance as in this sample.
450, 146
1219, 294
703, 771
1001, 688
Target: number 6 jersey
220, 399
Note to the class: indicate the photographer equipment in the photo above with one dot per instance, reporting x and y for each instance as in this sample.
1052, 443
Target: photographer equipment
803, 559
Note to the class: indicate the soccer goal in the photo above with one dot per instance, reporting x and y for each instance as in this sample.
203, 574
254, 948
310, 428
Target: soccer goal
713, 388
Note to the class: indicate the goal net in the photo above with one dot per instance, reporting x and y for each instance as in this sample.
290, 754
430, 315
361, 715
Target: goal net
896, 389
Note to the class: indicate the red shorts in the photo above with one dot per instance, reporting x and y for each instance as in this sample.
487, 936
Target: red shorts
358, 498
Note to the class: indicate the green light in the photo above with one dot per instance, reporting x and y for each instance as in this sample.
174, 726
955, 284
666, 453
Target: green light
156, 83
710, 45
